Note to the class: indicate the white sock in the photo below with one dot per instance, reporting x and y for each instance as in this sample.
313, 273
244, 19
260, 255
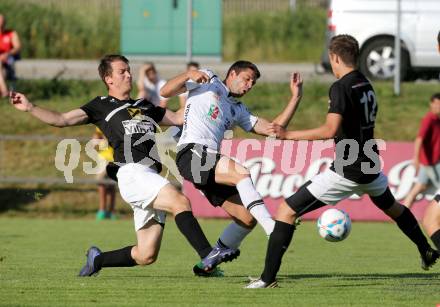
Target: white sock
254, 203
232, 236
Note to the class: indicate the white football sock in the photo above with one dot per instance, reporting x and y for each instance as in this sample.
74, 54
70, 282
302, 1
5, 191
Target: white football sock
233, 235
254, 203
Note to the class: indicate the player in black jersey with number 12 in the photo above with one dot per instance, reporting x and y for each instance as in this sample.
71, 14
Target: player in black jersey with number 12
356, 169
129, 126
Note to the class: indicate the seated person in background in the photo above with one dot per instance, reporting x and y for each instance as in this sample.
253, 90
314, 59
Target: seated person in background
149, 84
106, 191
9, 52
182, 97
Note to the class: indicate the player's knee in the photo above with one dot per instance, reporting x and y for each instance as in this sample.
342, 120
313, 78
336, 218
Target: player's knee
181, 203
240, 173
146, 259
248, 222
385, 201
285, 213
395, 210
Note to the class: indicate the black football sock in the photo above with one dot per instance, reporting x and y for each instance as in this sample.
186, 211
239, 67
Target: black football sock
190, 228
116, 258
279, 241
409, 226
436, 239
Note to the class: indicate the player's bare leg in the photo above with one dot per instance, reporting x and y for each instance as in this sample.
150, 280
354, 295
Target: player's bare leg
3, 87
233, 234
279, 241
149, 239
431, 221
408, 224
231, 173
412, 195
100, 215
171, 200
242, 225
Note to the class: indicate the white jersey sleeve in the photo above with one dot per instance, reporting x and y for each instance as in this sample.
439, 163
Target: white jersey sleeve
244, 118
191, 84
160, 84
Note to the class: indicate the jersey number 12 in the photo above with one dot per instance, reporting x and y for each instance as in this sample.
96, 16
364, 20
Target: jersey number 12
370, 107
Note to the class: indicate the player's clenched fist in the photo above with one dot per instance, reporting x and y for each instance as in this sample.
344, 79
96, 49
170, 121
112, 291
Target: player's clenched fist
276, 130
296, 83
20, 102
198, 76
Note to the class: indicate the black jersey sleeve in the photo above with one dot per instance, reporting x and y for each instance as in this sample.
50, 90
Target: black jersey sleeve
92, 110
157, 114
338, 99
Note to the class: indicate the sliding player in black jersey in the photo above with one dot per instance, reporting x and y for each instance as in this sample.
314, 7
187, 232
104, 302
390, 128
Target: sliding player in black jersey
129, 126
356, 169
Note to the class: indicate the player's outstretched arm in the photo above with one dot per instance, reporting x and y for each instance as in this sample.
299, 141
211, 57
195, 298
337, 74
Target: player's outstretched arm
286, 115
324, 132
173, 118
264, 127
53, 118
417, 148
177, 85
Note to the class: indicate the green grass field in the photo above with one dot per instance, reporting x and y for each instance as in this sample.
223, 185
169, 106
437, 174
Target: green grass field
375, 266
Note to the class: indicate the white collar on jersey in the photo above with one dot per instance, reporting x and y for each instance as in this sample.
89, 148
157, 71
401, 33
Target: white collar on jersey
214, 78
228, 92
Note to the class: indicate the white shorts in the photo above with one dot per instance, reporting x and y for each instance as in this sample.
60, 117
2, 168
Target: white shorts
429, 174
330, 188
139, 186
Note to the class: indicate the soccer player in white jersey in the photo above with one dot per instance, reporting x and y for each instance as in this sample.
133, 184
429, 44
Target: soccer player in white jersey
211, 109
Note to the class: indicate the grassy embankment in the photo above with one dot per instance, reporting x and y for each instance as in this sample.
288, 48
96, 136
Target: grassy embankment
68, 32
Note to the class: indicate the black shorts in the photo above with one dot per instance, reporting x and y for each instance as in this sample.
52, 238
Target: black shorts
197, 165
302, 201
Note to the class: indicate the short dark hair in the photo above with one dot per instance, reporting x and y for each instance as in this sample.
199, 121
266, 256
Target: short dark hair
346, 47
243, 65
105, 66
435, 96
438, 37
192, 64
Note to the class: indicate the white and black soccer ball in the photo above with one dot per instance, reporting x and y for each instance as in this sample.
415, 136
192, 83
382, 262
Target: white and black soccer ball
334, 225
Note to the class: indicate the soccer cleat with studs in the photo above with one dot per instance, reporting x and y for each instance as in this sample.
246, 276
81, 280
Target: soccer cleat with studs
429, 258
89, 268
200, 271
219, 255
257, 283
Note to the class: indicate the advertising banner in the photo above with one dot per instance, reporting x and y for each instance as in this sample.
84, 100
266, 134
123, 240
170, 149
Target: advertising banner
278, 168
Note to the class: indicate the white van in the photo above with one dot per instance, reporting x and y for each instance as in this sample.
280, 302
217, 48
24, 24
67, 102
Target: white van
373, 24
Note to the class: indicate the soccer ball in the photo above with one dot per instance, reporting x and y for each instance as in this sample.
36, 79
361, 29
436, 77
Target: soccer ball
334, 225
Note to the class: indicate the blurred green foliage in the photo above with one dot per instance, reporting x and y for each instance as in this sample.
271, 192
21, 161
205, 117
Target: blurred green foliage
50, 32
275, 36
56, 32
